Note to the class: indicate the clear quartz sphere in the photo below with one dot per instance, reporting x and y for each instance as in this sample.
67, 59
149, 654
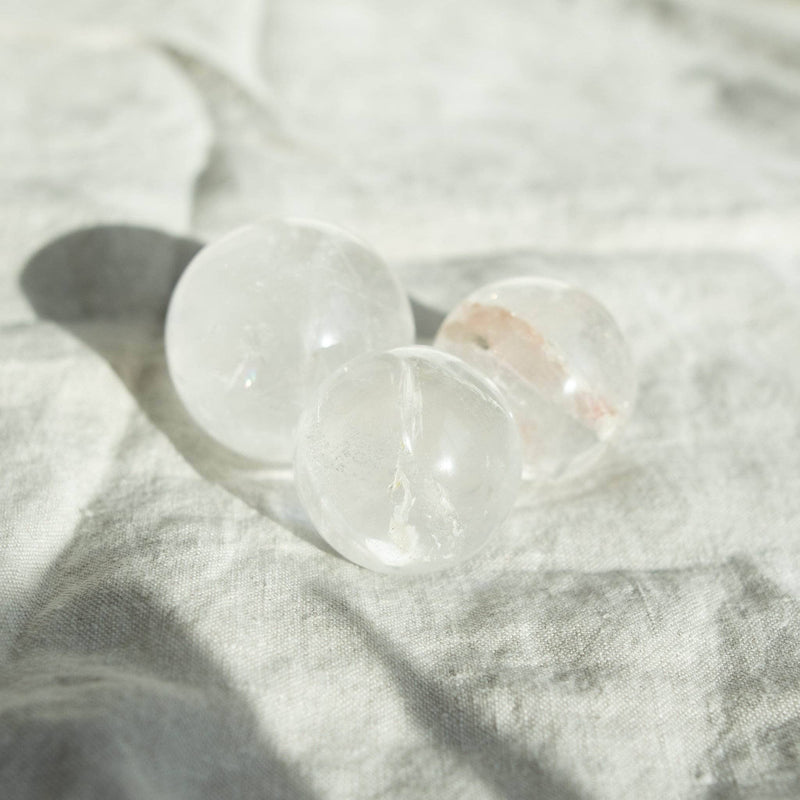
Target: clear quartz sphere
559, 359
263, 315
407, 461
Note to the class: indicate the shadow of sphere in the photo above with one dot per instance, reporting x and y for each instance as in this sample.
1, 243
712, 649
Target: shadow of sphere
110, 287
114, 273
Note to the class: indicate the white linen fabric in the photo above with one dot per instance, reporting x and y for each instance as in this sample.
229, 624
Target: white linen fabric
170, 624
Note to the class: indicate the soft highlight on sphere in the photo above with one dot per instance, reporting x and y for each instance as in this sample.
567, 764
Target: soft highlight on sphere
559, 359
407, 461
263, 315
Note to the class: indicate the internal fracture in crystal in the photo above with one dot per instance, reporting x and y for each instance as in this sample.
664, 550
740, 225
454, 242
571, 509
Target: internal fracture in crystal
407, 461
559, 359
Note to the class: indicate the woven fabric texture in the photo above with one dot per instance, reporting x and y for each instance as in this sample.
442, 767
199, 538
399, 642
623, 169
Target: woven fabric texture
170, 624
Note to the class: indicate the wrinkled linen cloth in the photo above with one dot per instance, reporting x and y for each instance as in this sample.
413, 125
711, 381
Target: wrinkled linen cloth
170, 624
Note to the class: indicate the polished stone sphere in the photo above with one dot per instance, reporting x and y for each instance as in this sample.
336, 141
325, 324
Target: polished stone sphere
560, 361
407, 461
263, 315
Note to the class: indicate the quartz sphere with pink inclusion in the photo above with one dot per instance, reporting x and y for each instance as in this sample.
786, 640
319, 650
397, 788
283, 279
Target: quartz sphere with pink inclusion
263, 315
407, 461
560, 361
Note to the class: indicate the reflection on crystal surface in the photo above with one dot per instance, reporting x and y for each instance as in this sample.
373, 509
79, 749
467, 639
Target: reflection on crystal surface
560, 361
263, 315
407, 461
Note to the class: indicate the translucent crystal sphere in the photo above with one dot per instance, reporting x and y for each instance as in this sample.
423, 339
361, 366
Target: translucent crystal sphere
260, 317
559, 359
407, 461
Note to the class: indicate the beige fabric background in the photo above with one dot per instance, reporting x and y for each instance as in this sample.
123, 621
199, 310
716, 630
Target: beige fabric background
170, 626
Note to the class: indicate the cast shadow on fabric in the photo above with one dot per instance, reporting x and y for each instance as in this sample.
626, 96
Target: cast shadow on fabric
451, 716
110, 697
110, 287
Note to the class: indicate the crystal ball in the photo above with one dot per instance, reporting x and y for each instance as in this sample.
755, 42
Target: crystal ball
560, 361
263, 315
407, 461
